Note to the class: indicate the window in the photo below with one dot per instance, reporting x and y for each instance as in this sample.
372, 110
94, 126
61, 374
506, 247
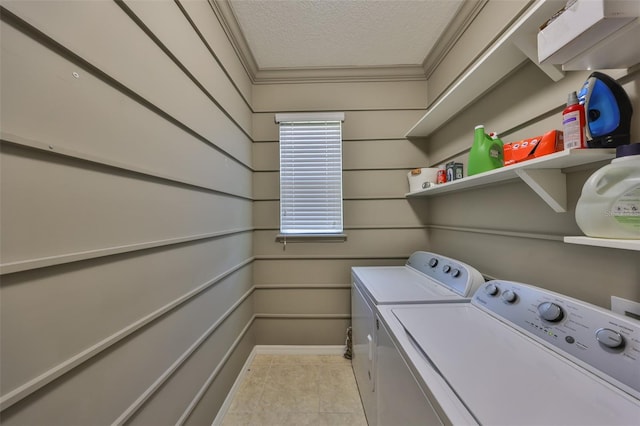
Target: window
310, 174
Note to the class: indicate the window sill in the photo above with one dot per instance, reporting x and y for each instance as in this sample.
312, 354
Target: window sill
306, 238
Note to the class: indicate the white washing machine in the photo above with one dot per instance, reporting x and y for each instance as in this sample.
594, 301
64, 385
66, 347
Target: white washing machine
515, 355
425, 278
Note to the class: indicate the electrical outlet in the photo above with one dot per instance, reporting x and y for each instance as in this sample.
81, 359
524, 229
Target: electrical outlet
625, 307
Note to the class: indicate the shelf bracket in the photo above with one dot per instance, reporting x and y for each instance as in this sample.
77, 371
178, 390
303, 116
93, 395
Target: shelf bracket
527, 43
549, 184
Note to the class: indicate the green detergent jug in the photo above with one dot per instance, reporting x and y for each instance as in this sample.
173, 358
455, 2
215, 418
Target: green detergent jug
486, 153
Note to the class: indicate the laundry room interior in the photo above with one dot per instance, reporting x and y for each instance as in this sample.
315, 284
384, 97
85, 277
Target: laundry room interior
142, 261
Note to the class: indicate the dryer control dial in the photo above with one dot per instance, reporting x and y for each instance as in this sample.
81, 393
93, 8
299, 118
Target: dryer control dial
509, 296
455, 272
446, 269
610, 338
433, 262
491, 289
550, 312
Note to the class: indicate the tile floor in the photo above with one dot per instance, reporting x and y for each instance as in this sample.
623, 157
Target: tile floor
297, 390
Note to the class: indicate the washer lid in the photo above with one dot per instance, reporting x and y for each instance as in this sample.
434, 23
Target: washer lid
505, 378
401, 284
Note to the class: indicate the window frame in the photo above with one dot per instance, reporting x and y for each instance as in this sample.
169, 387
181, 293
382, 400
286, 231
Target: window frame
299, 236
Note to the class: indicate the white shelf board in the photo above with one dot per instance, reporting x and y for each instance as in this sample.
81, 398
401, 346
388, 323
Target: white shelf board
502, 57
544, 175
605, 242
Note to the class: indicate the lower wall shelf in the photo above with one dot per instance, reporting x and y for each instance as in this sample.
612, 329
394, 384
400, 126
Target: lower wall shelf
605, 242
543, 175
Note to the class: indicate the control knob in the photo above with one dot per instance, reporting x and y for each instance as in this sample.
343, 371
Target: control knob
446, 269
550, 312
455, 272
433, 262
509, 296
491, 289
610, 338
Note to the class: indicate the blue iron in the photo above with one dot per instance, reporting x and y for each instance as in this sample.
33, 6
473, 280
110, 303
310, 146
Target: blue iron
608, 112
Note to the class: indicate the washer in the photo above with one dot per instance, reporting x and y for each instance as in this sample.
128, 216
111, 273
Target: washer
515, 355
425, 278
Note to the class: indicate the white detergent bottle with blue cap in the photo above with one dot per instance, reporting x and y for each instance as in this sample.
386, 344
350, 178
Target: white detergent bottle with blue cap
609, 206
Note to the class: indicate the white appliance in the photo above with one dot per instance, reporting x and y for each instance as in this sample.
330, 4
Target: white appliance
425, 278
515, 355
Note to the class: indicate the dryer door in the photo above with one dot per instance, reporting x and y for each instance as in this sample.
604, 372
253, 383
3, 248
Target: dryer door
363, 361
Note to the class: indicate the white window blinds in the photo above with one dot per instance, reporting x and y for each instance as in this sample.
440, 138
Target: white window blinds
310, 173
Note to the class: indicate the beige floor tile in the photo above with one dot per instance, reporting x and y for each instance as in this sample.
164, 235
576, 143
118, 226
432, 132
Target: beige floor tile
297, 390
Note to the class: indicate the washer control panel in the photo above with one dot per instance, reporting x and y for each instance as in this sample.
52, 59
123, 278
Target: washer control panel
605, 343
457, 276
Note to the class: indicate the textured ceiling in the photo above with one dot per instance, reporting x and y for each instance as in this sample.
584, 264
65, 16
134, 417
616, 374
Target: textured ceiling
338, 34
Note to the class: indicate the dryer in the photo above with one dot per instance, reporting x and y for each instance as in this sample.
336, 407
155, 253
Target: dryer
515, 355
425, 278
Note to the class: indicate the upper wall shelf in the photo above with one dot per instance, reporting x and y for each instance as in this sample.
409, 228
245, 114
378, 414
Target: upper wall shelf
604, 242
544, 175
518, 43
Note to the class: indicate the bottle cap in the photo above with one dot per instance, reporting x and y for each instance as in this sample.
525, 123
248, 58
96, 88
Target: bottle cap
572, 99
479, 126
627, 150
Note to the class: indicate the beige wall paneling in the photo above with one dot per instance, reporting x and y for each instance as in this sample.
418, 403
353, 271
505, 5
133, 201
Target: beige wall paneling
356, 154
168, 23
506, 230
202, 15
85, 117
115, 47
76, 306
102, 388
340, 96
492, 20
302, 301
213, 396
268, 270
382, 227
136, 186
592, 274
365, 242
57, 206
355, 184
167, 405
372, 213
358, 125
301, 331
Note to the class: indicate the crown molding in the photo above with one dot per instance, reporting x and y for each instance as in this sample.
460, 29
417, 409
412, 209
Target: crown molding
465, 16
227, 18
223, 11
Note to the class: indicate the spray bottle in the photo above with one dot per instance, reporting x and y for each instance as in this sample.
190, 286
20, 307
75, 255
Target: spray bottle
573, 122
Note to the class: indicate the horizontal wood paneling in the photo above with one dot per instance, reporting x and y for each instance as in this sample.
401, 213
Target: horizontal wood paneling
132, 177
314, 271
355, 184
372, 213
77, 115
370, 154
94, 393
302, 301
340, 96
506, 230
207, 24
166, 406
106, 295
57, 205
364, 242
115, 49
357, 125
487, 26
301, 331
167, 23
